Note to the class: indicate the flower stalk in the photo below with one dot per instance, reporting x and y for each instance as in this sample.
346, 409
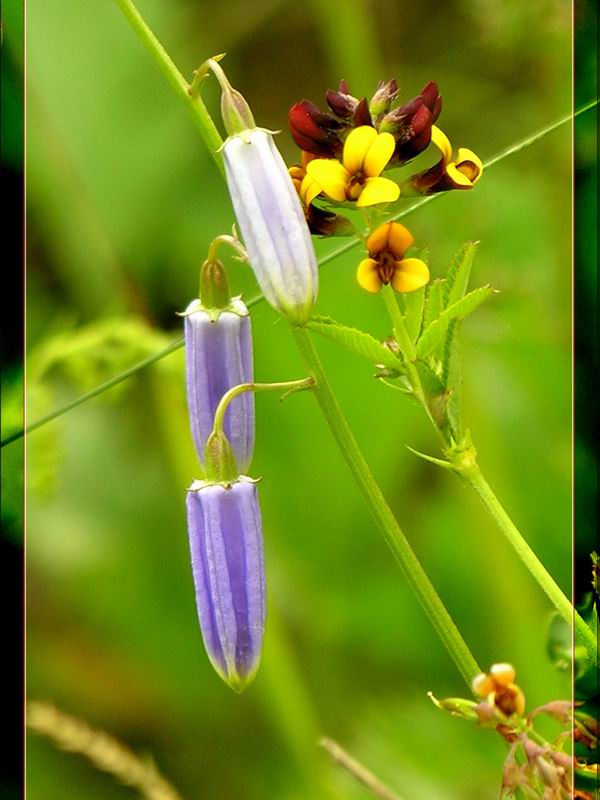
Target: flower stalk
392, 533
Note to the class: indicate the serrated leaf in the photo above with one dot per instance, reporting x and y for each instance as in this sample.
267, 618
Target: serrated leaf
459, 272
359, 342
414, 303
452, 376
434, 301
435, 391
434, 333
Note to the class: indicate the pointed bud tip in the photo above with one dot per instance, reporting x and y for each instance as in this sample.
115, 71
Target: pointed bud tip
214, 285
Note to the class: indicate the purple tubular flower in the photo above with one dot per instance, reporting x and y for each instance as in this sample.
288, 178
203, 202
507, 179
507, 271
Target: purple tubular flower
272, 223
225, 533
218, 353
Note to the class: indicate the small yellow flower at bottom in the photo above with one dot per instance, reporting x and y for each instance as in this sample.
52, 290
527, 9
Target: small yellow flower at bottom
387, 246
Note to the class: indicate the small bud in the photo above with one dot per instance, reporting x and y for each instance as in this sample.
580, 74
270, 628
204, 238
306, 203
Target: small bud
315, 131
342, 103
384, 96
457, 706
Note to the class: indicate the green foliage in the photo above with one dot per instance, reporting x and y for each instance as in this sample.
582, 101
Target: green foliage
435, 333
120, 186
414, 305
81, 358
359, 342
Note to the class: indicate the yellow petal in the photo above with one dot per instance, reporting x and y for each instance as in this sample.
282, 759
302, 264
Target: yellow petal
441, 141
391, 236
378, 190
296, 172
378, 155
368, 275
356, 147
411, 274
457, 178
330, 175
469, 164
400, 239
309, 189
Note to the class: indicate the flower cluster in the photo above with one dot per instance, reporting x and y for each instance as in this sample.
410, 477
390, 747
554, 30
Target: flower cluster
534, 767
345, 150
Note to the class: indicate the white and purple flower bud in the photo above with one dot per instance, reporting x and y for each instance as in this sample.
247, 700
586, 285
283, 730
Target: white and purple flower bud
218, 353
225, 534
272, 223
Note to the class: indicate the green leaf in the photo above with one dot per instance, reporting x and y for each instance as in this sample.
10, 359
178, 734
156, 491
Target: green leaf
359, 342
452, 376
434, 302
414, 303
435, 332
457, 277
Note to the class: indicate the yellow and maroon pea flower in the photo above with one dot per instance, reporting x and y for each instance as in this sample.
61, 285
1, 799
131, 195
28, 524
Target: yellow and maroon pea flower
499, 689
387, 246
320, 222
411, 123
462, 172
357, 179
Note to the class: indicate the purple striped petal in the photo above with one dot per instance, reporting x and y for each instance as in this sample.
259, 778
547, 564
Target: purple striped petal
218, 356
225, 533
272, 223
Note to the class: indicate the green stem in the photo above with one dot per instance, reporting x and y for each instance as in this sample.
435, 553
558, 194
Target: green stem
469, 471
395, 538
409, 353
195, 106
288, 386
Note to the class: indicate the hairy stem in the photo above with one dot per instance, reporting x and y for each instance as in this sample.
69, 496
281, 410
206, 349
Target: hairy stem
395, 538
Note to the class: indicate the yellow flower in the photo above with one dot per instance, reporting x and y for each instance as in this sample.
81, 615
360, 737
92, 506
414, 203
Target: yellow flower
500, 690
365, 155
465, 170
307, 187
386, 263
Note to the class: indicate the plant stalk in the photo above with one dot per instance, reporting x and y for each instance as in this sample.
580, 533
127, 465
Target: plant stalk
471, 474
392, 533
202, 119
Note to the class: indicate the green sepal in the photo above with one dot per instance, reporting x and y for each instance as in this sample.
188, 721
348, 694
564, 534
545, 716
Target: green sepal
214, 286
457, 707
236, 306
220, 460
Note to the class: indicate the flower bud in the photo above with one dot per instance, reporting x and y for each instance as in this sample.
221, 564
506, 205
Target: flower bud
218, 354
272, 223
411, 123
314, 130
384, 96
225, 535
341, 102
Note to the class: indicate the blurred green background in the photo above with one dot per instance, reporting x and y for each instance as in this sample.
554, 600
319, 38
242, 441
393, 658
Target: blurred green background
123, 201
